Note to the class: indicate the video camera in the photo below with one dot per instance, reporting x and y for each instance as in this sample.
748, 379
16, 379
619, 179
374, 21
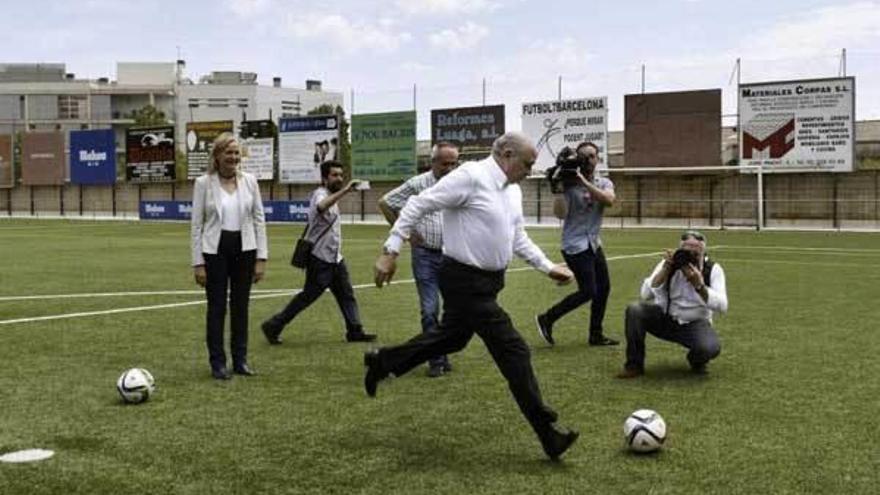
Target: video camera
564, 173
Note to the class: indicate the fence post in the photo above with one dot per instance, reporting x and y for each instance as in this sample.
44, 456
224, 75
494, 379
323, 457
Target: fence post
539, 202
835, 221
61, 200
638, 200
32, 199
80, 200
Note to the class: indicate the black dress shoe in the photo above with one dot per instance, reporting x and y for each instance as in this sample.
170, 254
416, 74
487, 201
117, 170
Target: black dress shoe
556, 440
360, 337
602, 340
243, 369
221, 373
545, 328
374, 373
272, 334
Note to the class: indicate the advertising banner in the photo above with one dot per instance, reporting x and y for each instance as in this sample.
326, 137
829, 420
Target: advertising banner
7, 173
258, 148
149, 154
383, 145
42, 159
553, 125
472, 129
303, 144
798, 126
93, 157
275, 211
200, 137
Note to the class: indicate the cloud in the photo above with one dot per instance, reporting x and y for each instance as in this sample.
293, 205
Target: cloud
248, 8
446, 7
462, 38
349, 36
824, 30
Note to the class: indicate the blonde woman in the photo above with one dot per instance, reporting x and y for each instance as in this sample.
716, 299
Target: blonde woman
229, 250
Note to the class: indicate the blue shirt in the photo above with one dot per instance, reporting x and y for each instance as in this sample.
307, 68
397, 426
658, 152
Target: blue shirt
580, 227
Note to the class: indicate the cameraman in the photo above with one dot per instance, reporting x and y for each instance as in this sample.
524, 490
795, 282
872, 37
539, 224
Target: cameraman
580, 206
678, 301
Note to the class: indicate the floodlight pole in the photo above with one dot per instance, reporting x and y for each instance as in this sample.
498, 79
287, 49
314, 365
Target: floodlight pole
760, 222
560, 88
484, 91
643, 78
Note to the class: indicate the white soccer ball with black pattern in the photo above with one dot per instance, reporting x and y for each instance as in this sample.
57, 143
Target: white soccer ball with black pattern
644, 431
135, 385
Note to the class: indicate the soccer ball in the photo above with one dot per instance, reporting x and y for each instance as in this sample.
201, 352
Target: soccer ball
135, 385
644, 431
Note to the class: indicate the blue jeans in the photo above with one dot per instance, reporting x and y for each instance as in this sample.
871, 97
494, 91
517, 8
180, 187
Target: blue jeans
426, 270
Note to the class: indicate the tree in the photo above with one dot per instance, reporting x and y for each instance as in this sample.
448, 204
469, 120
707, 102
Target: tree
344, 152
148, 115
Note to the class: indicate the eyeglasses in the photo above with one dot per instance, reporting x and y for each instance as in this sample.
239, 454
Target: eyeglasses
693, 233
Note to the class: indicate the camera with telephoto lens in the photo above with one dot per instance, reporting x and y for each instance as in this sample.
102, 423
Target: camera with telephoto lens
683, 257
564, 173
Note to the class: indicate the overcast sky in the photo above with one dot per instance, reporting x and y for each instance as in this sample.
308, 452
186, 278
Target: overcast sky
446, 48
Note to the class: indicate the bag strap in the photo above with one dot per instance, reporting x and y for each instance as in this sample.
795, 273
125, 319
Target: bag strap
326, 229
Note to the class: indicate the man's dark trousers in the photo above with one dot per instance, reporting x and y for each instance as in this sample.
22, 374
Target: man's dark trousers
320, 276
470, 306
591, 272
697, 336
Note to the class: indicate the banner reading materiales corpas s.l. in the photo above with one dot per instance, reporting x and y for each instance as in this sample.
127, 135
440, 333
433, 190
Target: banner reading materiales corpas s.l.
383, 145
553, 125
798, 126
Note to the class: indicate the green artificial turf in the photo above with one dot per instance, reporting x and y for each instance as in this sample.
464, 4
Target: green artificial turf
790, 405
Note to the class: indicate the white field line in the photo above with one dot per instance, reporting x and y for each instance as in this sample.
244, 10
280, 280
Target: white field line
817, 250
275, 293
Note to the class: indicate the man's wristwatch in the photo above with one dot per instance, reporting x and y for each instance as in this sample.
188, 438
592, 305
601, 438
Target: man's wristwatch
387, 251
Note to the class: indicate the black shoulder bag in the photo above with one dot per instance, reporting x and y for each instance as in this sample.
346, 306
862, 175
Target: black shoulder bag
303, 248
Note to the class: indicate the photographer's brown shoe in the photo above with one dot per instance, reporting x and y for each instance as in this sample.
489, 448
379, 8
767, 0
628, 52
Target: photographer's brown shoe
630, 373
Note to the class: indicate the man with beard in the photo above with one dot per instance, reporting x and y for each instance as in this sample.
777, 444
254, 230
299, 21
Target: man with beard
326, 268
426, 241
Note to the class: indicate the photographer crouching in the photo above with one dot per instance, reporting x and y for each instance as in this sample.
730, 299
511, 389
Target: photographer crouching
581, 198
678, 301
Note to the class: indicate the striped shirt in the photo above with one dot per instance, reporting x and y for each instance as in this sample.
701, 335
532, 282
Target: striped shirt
430, 228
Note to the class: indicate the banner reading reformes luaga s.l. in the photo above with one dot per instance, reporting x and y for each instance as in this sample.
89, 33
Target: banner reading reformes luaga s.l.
7, 173
553, 125
258, 148
149, 153
42, 159
303, 144
93, 157
799, 126
199, 140
383, 145
472, 129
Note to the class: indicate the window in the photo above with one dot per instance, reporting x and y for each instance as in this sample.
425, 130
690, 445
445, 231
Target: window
71, 107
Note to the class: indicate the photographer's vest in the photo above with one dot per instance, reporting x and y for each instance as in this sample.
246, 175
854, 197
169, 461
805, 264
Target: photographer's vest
707, 277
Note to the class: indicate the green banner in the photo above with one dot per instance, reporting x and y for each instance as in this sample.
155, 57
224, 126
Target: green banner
383, 146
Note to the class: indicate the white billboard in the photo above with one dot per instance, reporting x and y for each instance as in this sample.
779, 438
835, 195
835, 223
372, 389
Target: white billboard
559, 123
798, 126
257, 155
303, 144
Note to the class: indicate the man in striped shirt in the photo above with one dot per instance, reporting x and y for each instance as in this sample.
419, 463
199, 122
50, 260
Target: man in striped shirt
426, 241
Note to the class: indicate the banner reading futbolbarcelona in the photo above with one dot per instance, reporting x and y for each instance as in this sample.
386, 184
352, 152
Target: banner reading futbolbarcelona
383, 145
303, 144
93, 157
472, 129
199, 140
149, 154
798, 126
553, 125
